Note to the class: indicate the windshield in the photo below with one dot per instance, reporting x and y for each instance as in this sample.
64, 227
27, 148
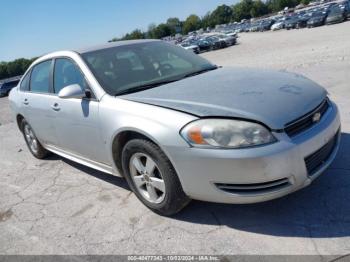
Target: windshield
125, 68
335, 11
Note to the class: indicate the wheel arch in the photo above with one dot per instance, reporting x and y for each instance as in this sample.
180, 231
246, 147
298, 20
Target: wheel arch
121, 138
19, 119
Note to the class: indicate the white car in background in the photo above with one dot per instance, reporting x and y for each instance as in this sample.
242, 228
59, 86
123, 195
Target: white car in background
277, 26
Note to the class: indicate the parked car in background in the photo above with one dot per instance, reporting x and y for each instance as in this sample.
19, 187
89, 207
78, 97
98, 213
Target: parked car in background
254, 27
189, 46
175, 126
229, 40
317, 19
336, 15
204, 45
301, 21
265, 25
277, 26
7, 85
216, 43
346, 6
291, 23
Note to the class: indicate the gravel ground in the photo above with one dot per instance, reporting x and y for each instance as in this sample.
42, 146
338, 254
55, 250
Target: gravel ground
59, 207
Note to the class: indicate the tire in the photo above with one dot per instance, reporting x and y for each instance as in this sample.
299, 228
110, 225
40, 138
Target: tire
137, 154
32, 142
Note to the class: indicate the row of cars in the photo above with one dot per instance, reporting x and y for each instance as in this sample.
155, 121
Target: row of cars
318, 16
226, 35
209, 42
7, 84
329, 13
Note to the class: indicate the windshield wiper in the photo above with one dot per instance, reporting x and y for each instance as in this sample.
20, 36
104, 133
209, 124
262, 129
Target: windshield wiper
144, 87
200, 72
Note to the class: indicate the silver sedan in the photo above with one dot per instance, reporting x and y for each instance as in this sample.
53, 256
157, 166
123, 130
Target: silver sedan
176, 126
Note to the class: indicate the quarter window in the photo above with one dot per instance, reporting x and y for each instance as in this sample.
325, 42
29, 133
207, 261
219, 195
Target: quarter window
25, 83
67, 73
40, 79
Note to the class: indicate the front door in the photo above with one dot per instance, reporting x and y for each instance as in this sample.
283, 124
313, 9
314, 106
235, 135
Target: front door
76, 121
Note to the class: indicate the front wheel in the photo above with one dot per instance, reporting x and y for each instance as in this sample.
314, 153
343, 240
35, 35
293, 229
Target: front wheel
152, 178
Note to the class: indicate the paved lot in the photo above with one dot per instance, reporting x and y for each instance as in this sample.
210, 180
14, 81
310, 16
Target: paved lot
59, 207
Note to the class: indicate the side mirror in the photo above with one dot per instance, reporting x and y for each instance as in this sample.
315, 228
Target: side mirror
72, 91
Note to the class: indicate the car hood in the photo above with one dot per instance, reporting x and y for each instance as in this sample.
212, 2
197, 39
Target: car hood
274, 98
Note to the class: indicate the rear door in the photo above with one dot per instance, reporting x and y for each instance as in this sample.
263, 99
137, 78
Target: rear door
37, 102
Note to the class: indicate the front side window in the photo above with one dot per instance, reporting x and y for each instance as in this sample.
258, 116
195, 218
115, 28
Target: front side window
67, 73
40, 78
133, 67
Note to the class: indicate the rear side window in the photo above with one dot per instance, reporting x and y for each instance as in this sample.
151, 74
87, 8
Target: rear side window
25, 83
67, 73
40, 79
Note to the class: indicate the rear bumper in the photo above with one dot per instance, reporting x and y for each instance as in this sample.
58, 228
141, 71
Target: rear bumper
255, 174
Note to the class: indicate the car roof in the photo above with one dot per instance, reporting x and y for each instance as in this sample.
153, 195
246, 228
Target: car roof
113, 44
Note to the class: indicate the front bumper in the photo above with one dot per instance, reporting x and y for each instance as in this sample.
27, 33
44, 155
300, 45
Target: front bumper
202, 170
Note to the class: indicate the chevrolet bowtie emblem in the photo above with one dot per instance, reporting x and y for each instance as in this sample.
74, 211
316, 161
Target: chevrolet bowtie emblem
316, 117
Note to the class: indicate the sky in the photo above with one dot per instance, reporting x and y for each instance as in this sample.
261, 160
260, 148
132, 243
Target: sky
30, 28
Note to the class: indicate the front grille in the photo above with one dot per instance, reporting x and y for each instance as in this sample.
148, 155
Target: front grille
255, 188
316, 160
305, 122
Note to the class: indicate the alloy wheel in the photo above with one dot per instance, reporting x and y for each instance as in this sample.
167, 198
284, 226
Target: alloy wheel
147, 178
31, 139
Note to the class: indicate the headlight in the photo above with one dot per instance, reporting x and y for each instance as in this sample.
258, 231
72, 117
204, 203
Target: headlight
226, 133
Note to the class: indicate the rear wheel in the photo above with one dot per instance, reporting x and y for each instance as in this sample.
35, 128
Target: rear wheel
152, 178
32, 141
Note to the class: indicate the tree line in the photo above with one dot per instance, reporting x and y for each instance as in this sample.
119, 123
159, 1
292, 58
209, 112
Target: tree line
223, 14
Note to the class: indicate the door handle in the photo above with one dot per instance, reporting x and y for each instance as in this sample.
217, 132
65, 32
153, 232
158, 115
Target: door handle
25, 101
55, 107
